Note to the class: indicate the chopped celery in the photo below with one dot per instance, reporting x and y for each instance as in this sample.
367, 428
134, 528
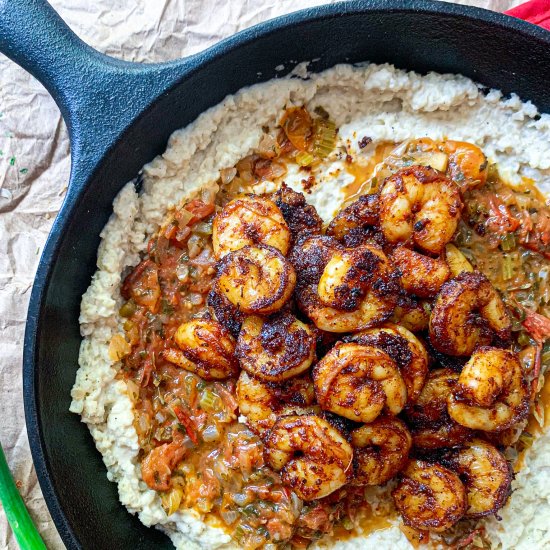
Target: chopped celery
127, 309
508, 242
303, 158
324, 138
209, 401
507, 268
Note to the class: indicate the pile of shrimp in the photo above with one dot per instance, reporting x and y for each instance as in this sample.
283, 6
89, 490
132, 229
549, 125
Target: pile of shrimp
341, 337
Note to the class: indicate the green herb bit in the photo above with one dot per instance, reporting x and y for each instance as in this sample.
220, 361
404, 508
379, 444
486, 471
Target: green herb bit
508, 242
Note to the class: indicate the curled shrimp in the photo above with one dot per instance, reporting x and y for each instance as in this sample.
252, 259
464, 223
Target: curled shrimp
467, 164
429, 496
301, 217
263, 402
359, 382
312, 456
419, 205
431, 425
468, 312
249, 221
341, 289
158, 465
256, 279
275, 348
406, 350
486, 475
420, 275
355, 224
381, 450
491, 393
205, 348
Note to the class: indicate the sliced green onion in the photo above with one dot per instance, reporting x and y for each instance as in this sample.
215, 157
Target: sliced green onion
303, 158
209, 401
508, 242
545, 357
507, 268
203, 228
347, 524
324, 138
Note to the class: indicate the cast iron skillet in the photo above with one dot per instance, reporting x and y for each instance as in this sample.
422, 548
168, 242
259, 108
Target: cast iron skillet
119, 117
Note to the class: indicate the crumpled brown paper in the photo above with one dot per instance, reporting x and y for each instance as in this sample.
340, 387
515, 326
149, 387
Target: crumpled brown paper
35, 164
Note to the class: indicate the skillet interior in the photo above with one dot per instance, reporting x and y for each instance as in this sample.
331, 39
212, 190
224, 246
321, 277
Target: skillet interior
487, 47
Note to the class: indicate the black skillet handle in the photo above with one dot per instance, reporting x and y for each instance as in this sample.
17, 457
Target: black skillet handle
98, 96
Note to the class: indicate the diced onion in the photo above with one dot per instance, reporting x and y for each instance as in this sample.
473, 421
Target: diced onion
241, 499
435, 159
171, 500
182, 272
194, 245
132, 389
118, 347
227, 175
210, 433
268, 148
229, 516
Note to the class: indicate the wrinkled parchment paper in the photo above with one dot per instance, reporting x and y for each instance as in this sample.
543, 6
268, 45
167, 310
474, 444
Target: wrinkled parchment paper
35, 165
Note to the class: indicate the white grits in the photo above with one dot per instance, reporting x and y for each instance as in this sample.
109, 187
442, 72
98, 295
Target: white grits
377, 101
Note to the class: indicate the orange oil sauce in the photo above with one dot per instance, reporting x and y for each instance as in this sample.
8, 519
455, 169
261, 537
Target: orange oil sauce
415, 536
362, 172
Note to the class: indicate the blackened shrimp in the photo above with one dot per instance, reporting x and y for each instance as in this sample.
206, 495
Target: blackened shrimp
249, 221
312, 456
412, 314
420, 206
359, 382
404, 348
430, 496
301, 217
420, 275
255, 279
468, 312
341, 289
486, 475
263, 402
491, 393
275, 348
206, 348
356, 224
381, 450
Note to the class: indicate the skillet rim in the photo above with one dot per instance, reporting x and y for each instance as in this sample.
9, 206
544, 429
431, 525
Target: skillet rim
77, 189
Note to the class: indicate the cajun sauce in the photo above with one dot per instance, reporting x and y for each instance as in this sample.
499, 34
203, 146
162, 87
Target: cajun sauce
193, 450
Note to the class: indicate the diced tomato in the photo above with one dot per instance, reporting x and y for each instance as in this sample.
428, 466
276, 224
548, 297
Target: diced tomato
500, 219
188, 424
199, 209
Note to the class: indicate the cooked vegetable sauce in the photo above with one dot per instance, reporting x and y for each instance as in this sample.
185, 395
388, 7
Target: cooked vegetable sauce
193, 449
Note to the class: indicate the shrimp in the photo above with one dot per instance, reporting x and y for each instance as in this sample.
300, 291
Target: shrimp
491, 393
406, 350
158, 465
412, 314
355, 224
486, 475
418, 205
420, 275
301, 217
359, 382
263, 402
429, 496
342, 289
256, 279
275, 348
468, 312
312, 456
381, 450
205, 348
467, 165
431, 426
249, 221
